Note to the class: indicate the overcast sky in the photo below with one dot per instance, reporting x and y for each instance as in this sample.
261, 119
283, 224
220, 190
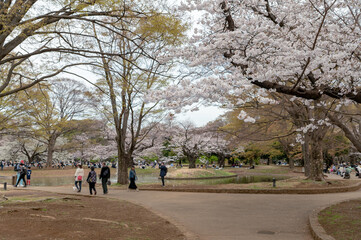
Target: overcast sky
201, 117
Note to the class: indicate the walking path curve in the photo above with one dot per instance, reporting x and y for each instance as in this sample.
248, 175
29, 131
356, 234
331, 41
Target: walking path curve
214, 216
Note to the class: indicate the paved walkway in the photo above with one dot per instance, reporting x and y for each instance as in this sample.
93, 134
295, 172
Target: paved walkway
214, 216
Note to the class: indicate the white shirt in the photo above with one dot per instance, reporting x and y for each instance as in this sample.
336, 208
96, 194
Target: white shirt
79, 172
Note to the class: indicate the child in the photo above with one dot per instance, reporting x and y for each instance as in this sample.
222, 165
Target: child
28, 175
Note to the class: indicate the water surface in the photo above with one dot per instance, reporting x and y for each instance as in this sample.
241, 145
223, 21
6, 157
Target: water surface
149, 178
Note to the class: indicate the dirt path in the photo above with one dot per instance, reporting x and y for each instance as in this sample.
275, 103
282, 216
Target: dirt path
46, 215
232, 216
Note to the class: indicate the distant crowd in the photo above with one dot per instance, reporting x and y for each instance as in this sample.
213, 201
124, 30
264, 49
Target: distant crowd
4, 164
24, 172
344, 169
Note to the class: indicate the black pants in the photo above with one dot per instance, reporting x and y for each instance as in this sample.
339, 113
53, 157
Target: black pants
92, 187
22, 176
162, 177
132, 184
105, 185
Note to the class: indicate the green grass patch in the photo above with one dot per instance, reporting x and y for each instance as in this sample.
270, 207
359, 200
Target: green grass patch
278, 170
342, 221
141, 171
199, 173
28, 199
331, 217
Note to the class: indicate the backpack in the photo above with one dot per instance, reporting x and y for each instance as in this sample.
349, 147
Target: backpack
23, 171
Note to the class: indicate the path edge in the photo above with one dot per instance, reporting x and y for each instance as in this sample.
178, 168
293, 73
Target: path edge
202, 178
261, 191
317, 231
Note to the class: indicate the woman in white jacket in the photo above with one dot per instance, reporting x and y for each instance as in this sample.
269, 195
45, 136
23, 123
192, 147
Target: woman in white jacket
79, 175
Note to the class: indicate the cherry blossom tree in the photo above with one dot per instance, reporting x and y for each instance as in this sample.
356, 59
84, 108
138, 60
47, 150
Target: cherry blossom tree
9, 148
32, 149
220, 142
302, 48
306, 49
153, 143
191, 142
91, 140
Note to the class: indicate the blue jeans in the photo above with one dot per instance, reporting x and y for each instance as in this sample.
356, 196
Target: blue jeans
78, 185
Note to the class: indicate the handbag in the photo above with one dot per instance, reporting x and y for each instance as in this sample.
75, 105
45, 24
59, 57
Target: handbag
109, 182
80, 178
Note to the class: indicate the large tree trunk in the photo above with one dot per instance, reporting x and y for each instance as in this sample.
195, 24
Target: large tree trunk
129, 160
49, 160
192, 161
221, 160
306, 156
51, 147
123, 161
122, 168
291, 163
316, 159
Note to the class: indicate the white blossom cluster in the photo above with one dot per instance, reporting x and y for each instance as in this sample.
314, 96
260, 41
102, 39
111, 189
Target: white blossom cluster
311, 44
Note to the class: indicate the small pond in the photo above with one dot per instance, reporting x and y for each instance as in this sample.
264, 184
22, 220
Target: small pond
153, 178
58, 181
234, 180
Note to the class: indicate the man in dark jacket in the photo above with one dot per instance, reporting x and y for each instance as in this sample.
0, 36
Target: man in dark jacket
104, 176
163, 172
22, 173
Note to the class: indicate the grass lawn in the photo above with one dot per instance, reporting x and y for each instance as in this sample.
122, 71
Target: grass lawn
197, 173
342, 221
262, 169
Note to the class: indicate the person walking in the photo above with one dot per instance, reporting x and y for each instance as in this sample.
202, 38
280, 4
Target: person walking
163, 172
17, 170
79, 175
22, 174
132, 178
92, 179
104, 176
